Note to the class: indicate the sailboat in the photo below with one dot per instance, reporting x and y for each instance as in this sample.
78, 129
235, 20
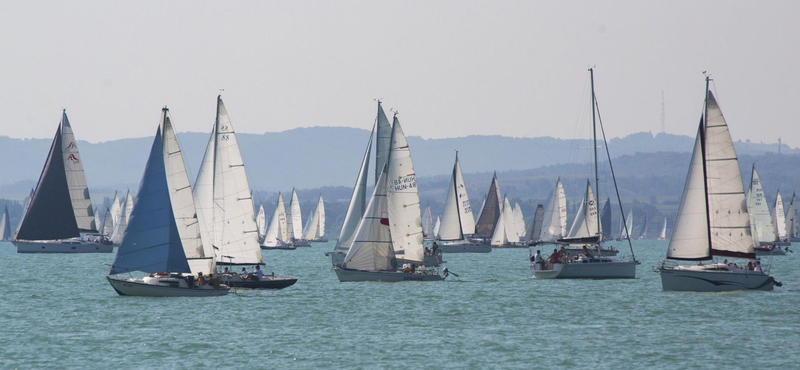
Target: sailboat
586, 232
663, 235
519, 220
122, 223
27, 203
261, 223
605, 220
437, 226
391, 225
111, 217
315, 227
792, 221
554, 225
60, 209
457, 222
277, 231
712, 217
225, 207
535, 227
779, 220
294, 223
762, 229
643, 234
163, 239
5, 226
427, 224
625, 225
505, 233
490, 212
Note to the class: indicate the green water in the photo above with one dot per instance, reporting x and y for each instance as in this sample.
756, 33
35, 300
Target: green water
58, 311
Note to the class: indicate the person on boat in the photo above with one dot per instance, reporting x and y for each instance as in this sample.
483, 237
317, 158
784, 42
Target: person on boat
244, 274
554, 258
201, 280
749, 266
757, 267
586, 252
210, 281
421, 269
537, 259
225, 270
413, 268
259, 274
435, 248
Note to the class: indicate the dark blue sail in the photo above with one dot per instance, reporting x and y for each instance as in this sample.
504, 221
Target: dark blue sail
50, 215
152, 242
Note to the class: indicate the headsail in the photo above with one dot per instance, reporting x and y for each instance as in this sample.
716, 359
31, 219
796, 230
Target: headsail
277, 225
585, 223
294, 219
125, 214
384, 132
605, 219
535, 227
519, 220
315, 227
554, 226
779, 218
357, 205
506, 231
491, 210
372, 244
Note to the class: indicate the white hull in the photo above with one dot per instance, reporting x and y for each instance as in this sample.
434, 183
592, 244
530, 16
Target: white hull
163, 287
597, 268
65, 246
712, 278
337, 258
385, 276
603, 252
464, 247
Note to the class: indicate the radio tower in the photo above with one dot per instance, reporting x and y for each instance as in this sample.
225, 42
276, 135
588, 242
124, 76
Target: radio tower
663, 115
779, 146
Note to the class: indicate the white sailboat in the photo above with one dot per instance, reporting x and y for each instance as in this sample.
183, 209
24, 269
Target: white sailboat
519, 220
663, 235
712, 217
261, 222
111, 217
457, 223
60, 209
163, 235
779, 220
122, 222
277, 230
761, 227
225, 208
5, 226
586, 234
391, 225
643, 234
505, 233
792, 221
427, 224
554, 225
294, 223
315, 227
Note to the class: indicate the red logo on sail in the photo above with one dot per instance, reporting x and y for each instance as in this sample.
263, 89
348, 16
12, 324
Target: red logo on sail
71, 146
385, 221
73, 158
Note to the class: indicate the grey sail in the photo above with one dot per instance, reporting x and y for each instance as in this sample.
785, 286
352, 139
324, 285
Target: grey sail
535, 228
5, 226
76, 179
491, 210
357, 205
50, 215
605, 219
152, 242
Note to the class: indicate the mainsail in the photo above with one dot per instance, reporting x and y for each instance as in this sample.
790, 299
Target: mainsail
226, 212
761, 227
261, 221
535, 228
294, 219
403, 198
792, 223
554, 226
457, 220
315, 228
60, 207
506, 231
162, 231
125, 213
779, 218
427, 223
663, 234
644, 228
519, 220
357, 205
492, 208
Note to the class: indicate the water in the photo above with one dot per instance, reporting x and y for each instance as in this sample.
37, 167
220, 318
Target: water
58, 311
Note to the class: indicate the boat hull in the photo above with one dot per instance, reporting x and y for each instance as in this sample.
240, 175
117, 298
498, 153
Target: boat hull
430, 261
345, 275
59, 246
687, 279
301, 243
602, 268
323, 240
464, 247
138, 288
773, 252
337, 258
267, 282
279, 247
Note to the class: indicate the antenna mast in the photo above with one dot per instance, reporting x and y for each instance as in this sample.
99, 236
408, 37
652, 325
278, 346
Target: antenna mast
663, 115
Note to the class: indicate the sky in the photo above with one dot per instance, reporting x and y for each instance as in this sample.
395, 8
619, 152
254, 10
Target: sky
451, 68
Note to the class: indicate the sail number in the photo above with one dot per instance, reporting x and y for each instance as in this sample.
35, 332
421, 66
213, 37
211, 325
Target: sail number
405, 183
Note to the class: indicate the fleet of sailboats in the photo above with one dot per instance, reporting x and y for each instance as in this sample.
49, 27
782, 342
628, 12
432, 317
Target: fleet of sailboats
314, 231
457, 224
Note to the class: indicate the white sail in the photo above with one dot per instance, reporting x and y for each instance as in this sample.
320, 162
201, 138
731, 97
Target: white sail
5, 226
114, 212
314, 229
628, 226
357, 205
404, 210
76, 179
261, 221
97, 225
554, 226
372, 245
779, 218
294, 219
427, 223
437, 227
180, 191
506, 230
519, 220
761, 227
585, 223
321, 225
122, 224
792, 223
689, 240
383, 142
535, 227
277, 225
663, 234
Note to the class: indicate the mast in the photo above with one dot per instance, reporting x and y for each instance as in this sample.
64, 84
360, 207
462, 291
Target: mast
594, 143
705, 170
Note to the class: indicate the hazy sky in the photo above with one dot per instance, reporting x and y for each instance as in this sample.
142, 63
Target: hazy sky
450, 68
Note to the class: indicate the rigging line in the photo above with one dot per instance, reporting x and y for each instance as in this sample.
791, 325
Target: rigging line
613, 176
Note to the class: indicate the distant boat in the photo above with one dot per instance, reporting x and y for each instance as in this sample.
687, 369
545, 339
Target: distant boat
60, 209
277, 231
97, 223
261, 222
535, 227
5, 226
111, 217
315, 227
490, 212
427, 224
779, 220
519, 220
761, 226
294, 223
26, 203
124, 216
712, 219
437, 226
163, 239
792, 221
625, 226
554, 225
457, 223
663, 235
605, 220
505, 233
391, 225
643, 234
